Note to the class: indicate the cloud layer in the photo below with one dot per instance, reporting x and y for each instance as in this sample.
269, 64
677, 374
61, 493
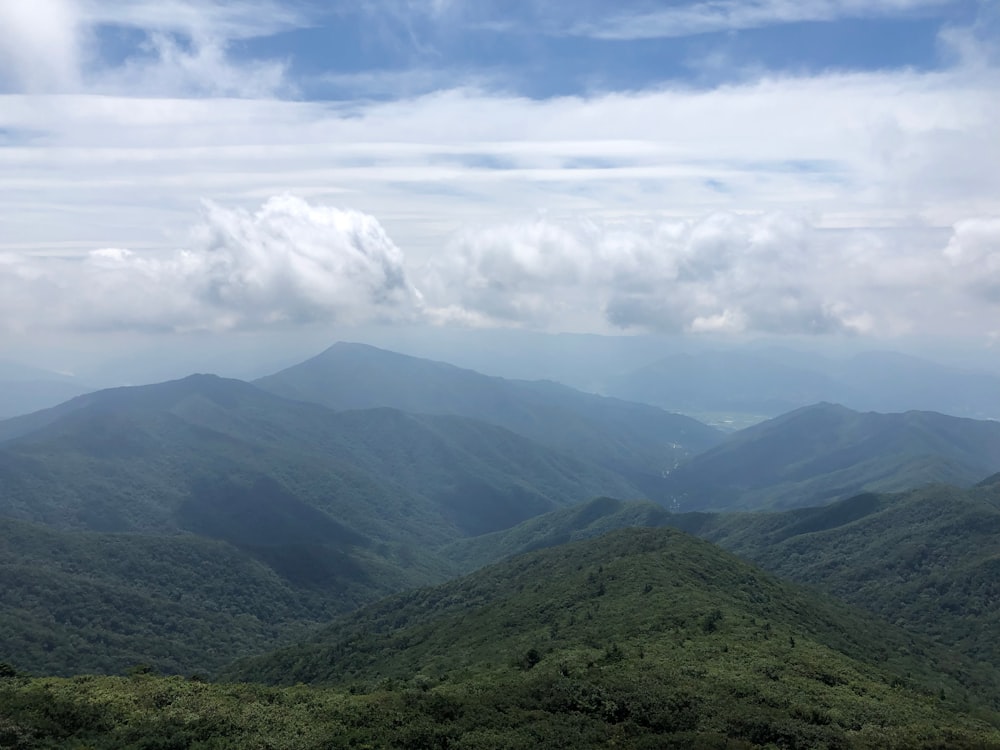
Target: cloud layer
291, 262
722, 273
288, 262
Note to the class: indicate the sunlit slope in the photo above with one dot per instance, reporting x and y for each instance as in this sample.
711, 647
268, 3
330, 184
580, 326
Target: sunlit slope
653, 628
926, 559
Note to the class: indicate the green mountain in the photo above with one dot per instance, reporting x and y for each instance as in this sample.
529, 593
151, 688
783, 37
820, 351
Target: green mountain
340, 507
927, 559
638, 441
824, 452
648, 637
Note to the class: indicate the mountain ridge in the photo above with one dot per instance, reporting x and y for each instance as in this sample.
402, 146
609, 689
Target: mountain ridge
636, 440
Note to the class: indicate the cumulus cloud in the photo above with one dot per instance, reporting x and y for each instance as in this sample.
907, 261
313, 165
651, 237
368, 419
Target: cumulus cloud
724, 272
288, 262
974, 251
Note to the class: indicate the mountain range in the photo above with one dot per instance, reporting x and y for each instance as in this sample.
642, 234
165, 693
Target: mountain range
325, 509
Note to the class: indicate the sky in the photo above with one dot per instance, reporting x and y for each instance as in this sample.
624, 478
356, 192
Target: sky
704, 169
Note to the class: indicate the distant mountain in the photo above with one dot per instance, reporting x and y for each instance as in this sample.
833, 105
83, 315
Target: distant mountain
147, 455
27, 389
637, 441
650, 632
726, 381
890, 381
768, 382
824, 452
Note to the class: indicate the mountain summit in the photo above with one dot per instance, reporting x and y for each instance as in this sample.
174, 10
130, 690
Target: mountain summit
641, 442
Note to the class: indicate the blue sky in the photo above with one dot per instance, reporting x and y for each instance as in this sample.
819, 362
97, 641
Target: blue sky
563, 49
822, 168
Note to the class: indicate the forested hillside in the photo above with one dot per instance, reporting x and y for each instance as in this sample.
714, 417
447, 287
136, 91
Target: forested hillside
643, 638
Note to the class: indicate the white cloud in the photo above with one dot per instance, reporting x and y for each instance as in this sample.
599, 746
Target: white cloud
724, 272
288, 262
974, 251
733, 15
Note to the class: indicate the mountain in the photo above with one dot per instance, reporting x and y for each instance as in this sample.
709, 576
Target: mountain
652, 637
340, 507
768, 382
824, 452
638, 441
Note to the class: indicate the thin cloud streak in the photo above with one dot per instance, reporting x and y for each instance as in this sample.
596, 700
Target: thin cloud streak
719, 16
